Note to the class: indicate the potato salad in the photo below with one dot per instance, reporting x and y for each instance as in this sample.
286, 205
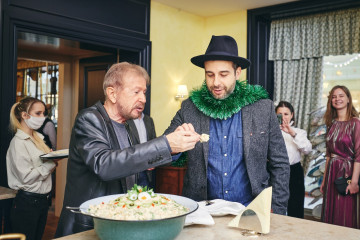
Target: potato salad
139, 203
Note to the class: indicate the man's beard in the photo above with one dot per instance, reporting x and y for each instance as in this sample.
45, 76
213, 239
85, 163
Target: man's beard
129, 114
227, 93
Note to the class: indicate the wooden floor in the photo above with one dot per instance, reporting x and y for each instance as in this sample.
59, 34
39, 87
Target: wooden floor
51, 224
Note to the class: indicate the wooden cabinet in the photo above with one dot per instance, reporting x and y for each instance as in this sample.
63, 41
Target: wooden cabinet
170, 179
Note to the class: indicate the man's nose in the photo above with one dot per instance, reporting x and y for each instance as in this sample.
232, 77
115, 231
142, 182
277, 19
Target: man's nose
143, 98
216, 80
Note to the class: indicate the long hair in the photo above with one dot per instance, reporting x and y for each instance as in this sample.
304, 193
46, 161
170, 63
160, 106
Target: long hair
331, 112
25, 105
289, 106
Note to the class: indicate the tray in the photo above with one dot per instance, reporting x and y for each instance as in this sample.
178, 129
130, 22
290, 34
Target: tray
63, 153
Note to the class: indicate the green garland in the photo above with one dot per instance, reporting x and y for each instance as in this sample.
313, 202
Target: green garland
244, 94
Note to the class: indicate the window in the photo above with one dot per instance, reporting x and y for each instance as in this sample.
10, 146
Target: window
39, 80
342, 70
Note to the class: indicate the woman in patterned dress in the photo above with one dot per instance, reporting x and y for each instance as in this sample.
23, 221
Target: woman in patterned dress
342, 159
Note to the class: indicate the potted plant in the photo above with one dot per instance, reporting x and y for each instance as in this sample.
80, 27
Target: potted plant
169, 179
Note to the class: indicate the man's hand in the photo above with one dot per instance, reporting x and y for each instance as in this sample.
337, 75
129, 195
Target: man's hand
186, 127
182, 140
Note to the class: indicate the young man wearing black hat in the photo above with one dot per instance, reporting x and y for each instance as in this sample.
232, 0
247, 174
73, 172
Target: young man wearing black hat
246, 152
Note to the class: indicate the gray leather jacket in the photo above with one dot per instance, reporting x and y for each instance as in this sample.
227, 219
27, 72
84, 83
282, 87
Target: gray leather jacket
98, 167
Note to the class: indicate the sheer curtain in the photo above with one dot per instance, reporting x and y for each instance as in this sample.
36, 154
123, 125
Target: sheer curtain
297, 47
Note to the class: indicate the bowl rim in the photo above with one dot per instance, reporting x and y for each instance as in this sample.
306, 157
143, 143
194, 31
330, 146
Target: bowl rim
83, 210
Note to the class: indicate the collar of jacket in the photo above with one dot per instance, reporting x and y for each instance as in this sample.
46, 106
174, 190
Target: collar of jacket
100, 107
243, 95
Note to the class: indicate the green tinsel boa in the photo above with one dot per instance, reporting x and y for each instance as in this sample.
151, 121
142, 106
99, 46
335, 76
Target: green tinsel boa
244, 94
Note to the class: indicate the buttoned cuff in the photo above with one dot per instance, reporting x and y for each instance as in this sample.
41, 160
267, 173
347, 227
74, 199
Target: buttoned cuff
167, 143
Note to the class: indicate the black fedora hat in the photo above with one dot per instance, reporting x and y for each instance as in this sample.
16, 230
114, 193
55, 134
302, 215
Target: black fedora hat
221, 48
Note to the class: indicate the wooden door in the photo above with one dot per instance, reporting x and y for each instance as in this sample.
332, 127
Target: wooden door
92, 72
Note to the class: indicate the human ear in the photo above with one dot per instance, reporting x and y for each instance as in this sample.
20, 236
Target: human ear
237, 73
111, 94
24, 115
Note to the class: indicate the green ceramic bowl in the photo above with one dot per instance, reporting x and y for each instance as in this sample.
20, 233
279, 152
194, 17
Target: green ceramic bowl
159, 229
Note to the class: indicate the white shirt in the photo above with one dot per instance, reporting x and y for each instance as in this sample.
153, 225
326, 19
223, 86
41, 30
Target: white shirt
297, 145
25, 169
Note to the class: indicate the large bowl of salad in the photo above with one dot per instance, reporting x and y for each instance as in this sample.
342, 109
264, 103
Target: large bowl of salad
138, 214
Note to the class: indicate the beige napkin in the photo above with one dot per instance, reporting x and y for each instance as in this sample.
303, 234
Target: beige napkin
261, 207
217, 207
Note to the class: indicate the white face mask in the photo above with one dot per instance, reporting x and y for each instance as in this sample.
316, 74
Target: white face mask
34, 122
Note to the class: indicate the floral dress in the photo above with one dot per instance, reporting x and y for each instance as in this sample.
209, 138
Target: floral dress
343, 148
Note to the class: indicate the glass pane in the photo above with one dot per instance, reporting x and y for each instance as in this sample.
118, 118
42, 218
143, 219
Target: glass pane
39, 79
342, 70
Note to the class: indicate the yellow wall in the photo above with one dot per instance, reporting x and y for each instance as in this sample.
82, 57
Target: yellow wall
176, 37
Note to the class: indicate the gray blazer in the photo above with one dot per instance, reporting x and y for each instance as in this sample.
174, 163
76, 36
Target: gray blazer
265, 153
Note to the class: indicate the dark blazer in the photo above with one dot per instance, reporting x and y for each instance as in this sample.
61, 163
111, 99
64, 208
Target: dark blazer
98, 167
150, 134
150, 129
265, 153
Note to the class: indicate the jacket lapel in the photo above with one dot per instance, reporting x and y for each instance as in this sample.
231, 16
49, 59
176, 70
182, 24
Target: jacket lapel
205, 128
246, 125
109, 126
148, 127
133, 131
112, 135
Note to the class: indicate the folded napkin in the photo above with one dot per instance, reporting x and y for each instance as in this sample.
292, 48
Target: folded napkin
256, 216
216, 207
200, 216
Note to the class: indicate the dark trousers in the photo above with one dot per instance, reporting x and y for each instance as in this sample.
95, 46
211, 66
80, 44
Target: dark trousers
297, 191
29, 213
5, 207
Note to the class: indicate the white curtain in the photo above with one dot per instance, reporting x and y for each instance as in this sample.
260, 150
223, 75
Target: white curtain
300, 83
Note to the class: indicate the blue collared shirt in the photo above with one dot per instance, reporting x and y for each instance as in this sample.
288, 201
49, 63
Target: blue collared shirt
227, 176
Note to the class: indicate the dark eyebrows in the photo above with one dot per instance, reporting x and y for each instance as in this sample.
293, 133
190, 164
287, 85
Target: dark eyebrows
221, 72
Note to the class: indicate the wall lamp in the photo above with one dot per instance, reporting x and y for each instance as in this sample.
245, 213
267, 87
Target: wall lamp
182, 93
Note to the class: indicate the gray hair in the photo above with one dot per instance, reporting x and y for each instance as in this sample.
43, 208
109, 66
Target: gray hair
116, 73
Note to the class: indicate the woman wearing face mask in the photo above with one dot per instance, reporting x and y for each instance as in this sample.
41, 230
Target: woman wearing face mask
26, 172
342, 159
296, 142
